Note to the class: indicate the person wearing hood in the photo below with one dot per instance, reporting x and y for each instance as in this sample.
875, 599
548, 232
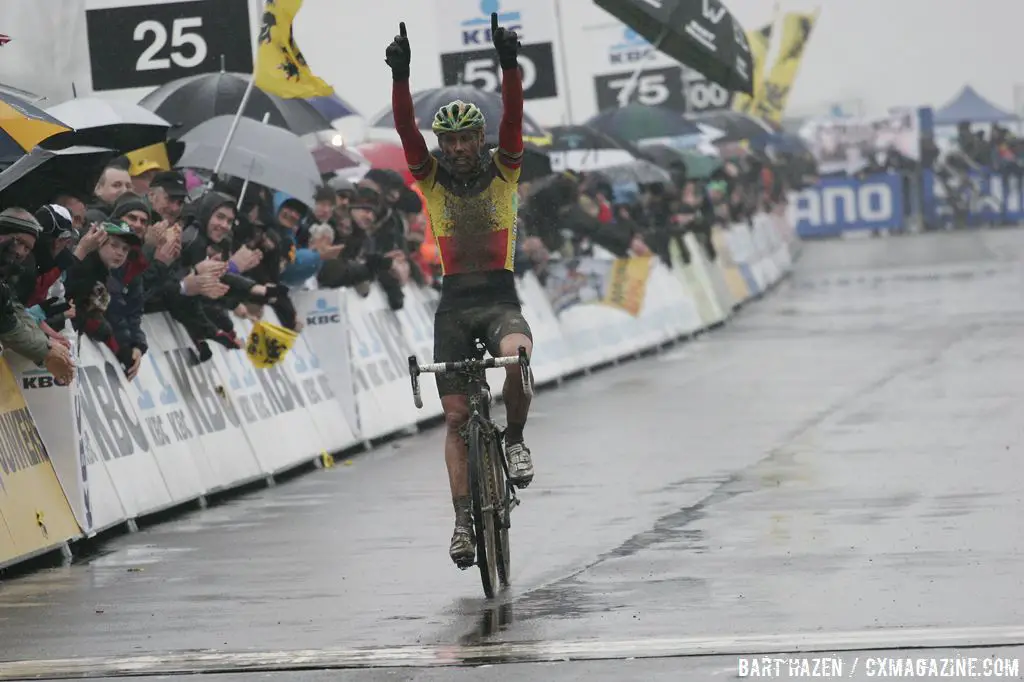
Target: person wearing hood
19, 332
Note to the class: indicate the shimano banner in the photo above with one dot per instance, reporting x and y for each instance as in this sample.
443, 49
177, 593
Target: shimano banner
978, 198
842, 204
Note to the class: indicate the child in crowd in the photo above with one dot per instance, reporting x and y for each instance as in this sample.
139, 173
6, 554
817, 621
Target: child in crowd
103, 249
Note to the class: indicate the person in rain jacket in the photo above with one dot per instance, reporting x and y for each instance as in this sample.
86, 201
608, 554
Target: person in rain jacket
101, 253
301, 263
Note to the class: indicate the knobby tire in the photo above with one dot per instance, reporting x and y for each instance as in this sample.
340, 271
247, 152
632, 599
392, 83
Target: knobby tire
481, 483
503, 509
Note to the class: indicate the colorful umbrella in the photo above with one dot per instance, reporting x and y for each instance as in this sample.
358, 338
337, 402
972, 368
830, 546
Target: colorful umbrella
636, 122
23, 126
332, 107
388, 156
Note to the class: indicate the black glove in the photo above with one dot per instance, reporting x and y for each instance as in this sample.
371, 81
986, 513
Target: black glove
124, 356
54, 306
506, 43
398, 55
8, 321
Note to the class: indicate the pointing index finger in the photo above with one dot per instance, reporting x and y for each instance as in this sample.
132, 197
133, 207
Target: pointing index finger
401, 30
494, 23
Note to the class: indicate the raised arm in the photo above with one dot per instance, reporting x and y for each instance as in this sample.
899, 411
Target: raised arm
417, 155
510, 133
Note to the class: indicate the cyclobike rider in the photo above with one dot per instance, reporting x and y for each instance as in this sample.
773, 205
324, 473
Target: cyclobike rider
471, 196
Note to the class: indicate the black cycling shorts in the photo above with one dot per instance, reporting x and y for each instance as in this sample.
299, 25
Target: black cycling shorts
456, 332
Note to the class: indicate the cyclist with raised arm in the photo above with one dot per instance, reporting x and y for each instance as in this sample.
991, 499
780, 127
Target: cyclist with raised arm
472, 200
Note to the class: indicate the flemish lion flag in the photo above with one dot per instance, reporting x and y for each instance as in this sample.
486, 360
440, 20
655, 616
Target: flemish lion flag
759, 41
796, 32
280, 67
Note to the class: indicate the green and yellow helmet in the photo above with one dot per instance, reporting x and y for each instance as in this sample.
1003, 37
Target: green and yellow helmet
458, 116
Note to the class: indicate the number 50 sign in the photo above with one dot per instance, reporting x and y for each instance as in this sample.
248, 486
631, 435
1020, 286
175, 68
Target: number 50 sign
146, 45
480, 69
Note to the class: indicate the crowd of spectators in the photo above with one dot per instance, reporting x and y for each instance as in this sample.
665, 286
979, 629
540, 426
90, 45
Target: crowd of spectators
143, 242
567, 215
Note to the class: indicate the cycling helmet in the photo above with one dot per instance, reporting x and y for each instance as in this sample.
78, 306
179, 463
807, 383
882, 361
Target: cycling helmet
458, 116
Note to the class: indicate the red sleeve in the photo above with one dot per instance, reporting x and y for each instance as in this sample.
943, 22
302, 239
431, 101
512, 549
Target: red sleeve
416, 153
43, 284
510, 134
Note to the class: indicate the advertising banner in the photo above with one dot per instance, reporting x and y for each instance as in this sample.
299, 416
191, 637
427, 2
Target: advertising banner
978, 198
215, 430
619, 283
846, 145
326, 337
468, 56
268, 404
119, 441
380, 362
55, 410
841, 204
34, 513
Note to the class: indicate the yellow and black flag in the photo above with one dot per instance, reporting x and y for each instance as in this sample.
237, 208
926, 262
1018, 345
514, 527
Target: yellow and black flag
759, 42
796, 32
280, 67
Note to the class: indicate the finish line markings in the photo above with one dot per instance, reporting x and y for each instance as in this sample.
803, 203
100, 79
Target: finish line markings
212, 661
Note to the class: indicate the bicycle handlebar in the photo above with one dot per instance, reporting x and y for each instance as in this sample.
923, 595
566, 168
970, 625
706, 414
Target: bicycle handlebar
522, 359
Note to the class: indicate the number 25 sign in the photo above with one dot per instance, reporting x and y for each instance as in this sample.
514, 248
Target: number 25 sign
146, 45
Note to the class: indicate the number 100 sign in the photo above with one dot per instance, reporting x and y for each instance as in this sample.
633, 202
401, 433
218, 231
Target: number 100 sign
146, 45
480, 69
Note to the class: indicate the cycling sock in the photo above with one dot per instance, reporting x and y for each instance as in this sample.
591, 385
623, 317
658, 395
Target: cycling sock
514, 433
463, 509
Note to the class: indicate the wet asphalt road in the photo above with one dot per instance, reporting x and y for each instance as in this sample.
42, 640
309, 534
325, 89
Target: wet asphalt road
838, 468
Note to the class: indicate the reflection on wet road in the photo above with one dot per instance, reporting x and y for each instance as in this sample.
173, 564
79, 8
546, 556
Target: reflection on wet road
842, 462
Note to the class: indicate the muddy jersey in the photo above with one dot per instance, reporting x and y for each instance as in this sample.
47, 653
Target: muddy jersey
474, 224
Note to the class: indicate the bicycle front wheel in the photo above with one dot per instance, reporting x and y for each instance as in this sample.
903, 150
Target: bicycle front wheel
502, 511
482, 490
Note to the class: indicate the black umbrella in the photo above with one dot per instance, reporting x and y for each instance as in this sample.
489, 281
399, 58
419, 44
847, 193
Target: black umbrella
117, 125
736, 126
583, 137
701, 34
37, 177
189, 101
427, 102
635, 122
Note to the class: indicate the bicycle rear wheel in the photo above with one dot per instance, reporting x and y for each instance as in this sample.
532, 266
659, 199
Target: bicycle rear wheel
481, 484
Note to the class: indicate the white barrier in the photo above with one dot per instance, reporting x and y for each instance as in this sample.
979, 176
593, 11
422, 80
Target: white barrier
182, 430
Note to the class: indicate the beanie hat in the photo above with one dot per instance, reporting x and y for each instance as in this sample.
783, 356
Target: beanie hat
19, 221
126, 203
55, 221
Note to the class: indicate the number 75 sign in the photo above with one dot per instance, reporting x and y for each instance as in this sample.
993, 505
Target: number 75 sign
480, 69
150, 44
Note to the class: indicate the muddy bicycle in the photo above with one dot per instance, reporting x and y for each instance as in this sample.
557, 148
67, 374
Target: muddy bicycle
493, 496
